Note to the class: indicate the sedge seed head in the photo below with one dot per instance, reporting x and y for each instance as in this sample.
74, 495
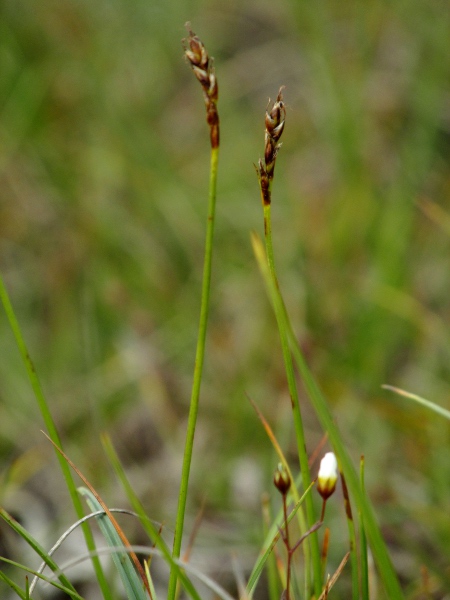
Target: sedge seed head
203, 68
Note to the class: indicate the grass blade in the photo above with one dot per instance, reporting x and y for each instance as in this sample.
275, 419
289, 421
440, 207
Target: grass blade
52, 432
431, 405
13, 585
17, 527
363, 542
151, 530
133, 584
24, 594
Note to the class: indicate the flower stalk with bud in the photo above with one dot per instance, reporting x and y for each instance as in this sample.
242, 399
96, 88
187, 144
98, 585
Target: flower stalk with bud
203, 69
282, 481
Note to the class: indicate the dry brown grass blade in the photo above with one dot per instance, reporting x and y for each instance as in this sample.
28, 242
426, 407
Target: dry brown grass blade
194, 532
325, 546
271, 436
109, 514
318, 450
332, 580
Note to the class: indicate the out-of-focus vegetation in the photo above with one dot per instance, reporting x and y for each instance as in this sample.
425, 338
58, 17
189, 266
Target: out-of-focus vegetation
104, 160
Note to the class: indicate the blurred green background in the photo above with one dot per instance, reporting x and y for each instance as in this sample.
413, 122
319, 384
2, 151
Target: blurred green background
104, 162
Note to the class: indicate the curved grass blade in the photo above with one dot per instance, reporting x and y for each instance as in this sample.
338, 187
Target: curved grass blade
17, 527
431, 405
52, 431
147, 524
133, 584
218, 591
23, 594
66, 534
119, 531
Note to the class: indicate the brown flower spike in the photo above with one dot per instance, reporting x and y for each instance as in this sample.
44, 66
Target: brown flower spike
275, 119
203, 68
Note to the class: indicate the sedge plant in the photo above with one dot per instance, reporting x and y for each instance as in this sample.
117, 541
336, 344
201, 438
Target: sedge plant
203, 69
274, 126
292, 354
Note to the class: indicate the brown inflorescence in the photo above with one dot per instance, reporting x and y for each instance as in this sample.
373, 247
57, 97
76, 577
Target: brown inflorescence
274, 122
203, 68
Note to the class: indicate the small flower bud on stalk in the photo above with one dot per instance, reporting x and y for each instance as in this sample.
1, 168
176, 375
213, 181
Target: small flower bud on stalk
281, 480
328, 475
203, 68
327, 478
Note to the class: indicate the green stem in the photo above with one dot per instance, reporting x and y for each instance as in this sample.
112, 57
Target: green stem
352, 538
51, 428
298, 423
199, 359
363, 540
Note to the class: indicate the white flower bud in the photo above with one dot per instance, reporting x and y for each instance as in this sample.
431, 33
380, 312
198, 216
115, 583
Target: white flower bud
328, 474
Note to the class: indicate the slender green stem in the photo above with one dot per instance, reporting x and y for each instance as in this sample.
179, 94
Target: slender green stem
298, 423
199, 359
272, 579
363, 540
352, 537
51, 428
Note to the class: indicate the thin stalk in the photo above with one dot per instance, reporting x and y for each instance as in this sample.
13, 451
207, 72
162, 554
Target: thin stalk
363, 540
198, 369
352, 537
313, 542
53, 433
288, 547
202, 67
272, 581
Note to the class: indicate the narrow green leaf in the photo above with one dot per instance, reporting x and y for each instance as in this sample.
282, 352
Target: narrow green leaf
13, 585
363, 541
431, 405
52, 431
17, 527
69, 591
